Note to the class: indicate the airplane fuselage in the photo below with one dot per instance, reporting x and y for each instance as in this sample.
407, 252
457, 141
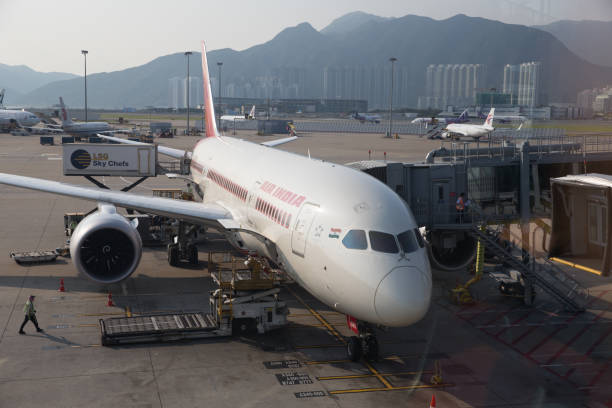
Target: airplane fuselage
86, 128
475, 131
301, 211
19, 117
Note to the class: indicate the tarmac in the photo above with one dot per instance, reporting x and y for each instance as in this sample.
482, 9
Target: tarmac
494, 353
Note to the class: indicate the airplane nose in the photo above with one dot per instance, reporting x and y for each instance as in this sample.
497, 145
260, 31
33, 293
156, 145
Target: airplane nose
403, 295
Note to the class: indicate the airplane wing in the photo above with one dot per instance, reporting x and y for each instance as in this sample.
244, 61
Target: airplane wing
198, 213
277, 142
168, 151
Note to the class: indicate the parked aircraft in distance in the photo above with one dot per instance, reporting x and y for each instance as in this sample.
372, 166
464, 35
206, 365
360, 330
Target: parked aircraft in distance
457, 130
364, 117
238, 118
15, 118
443, 120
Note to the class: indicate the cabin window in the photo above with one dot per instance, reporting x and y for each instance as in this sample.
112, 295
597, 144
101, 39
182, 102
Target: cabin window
383, 242
355, 239
408, 241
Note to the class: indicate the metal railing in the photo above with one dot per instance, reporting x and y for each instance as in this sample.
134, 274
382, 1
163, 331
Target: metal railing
541, 272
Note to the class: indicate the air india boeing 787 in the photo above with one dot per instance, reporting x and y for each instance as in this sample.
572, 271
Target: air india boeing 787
341, 234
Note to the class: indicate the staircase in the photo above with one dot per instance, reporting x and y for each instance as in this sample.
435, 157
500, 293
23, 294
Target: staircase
541, 273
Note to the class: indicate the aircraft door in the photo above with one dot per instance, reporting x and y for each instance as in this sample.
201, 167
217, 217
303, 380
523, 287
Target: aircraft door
441, 202
302, 226
143, 161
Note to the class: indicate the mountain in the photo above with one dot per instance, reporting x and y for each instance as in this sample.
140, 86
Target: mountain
348, 60
350, 22
22, 79
588, 39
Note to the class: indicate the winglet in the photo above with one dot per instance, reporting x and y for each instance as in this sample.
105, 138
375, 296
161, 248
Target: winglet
211, 125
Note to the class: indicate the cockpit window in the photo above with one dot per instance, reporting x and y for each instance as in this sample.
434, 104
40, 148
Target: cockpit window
419, 237
408, 241
383, 242
355, 239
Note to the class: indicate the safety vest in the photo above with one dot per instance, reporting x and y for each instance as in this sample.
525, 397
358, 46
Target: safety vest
460, 206
28, 309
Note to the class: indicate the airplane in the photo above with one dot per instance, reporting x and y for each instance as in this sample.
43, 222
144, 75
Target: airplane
11, 118
457, 130
507, 118
364, 117
344, 236
238, 118
442, 120
81, 128
15, 117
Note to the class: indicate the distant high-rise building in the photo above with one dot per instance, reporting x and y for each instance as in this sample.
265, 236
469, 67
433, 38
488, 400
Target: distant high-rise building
511, 82
452, 84
176, 100
530, 77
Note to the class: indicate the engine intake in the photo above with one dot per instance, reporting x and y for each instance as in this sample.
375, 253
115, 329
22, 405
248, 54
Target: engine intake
105, 246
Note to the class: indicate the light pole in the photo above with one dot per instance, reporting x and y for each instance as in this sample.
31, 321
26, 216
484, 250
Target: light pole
85, 52
392, 59
219, 64
188, 53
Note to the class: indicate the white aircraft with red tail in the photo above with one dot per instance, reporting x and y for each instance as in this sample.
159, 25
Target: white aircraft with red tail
344, 236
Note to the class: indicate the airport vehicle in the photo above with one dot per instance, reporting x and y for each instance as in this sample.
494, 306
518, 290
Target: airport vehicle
442, 120
31, 257
458, 130
364, 117
238, 118
246, 299
344, 236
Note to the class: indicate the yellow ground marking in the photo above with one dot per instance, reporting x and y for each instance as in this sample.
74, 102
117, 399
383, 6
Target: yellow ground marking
128, 312
350, 377
409, 387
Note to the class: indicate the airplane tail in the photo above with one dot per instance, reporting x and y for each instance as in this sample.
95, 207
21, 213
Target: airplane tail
1, 96
463, 116
489, 121
65, 116
252, 113
211, 125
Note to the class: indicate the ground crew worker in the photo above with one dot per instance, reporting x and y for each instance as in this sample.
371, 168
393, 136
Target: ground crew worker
30, 314
460, 206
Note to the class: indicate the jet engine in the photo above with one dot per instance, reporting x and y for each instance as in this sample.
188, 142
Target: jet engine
105, 246
450, 250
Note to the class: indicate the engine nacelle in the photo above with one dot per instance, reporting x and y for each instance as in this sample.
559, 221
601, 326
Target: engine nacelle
451, 250
105, 246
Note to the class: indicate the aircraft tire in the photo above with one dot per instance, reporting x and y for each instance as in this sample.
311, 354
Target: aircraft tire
173, 254
193, 255
353, 348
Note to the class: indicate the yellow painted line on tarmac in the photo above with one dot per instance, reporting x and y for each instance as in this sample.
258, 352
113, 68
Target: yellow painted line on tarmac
87, 345
319, 318
99, 314
409, 387
326, 362
319, 346
88, 325
128, 312
377, 375
304, 326
575, 265
350, 377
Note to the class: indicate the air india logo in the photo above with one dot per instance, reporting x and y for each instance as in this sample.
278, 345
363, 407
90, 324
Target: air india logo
80, 159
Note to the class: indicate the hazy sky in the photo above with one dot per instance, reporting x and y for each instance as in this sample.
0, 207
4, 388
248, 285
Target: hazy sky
49, 35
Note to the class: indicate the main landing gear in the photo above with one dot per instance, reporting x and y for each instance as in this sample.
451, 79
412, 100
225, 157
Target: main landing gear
364, 344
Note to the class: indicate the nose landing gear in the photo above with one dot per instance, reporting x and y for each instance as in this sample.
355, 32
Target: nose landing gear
364, 344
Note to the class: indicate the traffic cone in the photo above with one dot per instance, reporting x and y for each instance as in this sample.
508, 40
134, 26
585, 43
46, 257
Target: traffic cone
110, 300
62, 289
432, 404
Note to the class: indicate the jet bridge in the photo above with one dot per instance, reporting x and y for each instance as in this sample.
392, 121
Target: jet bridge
506, 176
